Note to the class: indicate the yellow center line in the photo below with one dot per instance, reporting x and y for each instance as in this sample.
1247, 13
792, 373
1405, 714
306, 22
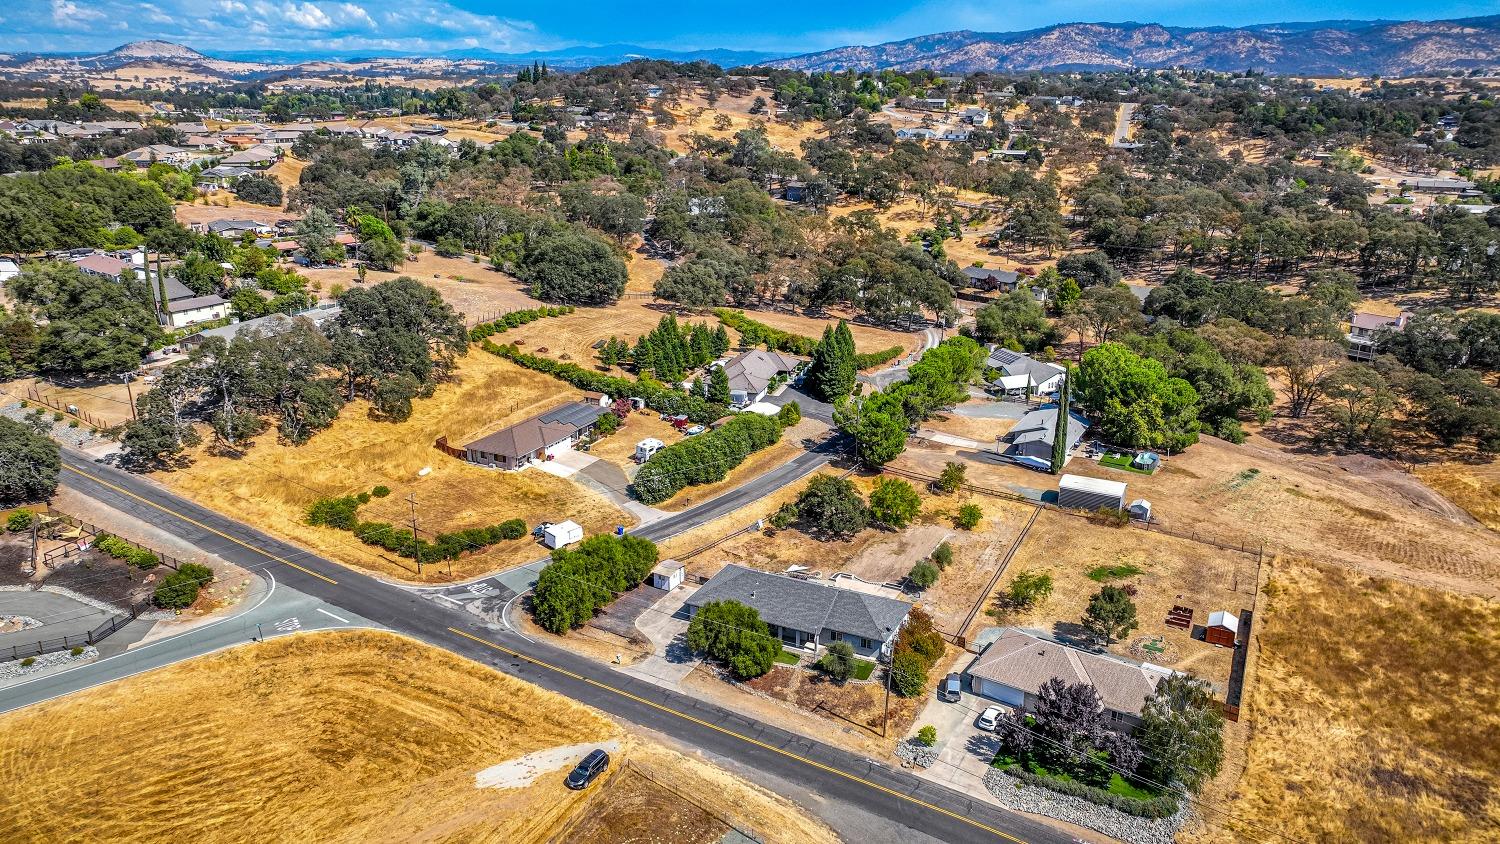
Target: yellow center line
744, 738
102, 482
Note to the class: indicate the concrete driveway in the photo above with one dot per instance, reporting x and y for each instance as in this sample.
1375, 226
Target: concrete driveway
964, 750
665, 623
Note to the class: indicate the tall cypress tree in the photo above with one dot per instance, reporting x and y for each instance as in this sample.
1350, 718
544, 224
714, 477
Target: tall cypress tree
847, 370
1060, 432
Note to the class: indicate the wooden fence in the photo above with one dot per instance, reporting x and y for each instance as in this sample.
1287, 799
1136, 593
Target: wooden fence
93, 421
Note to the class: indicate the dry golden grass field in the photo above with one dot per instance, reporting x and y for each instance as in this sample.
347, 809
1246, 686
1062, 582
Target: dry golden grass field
475, 290
339, 737
1474, 487
222, 206
1171, 571
1375, 713
273, 484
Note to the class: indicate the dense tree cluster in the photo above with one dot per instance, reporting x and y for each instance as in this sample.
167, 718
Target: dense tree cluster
879, 422
704, 459
582, 580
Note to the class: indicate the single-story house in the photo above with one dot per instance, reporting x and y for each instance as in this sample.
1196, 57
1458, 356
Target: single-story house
541, 437
989, 278
235, 229
808, 614
258, 157
164, 153
266, 325
1437, 185
101, 264
1045, 378
916, 133
1016, 665
1032, 438
750, 374
223, 176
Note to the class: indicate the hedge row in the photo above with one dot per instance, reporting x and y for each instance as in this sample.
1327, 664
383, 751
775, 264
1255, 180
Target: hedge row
342, 513
754, 333
658, 397
515, 319
122, 550
705, 458
869, 359
1163, 806
581, 580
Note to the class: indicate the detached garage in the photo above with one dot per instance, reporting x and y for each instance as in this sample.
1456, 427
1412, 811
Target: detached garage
1077, 492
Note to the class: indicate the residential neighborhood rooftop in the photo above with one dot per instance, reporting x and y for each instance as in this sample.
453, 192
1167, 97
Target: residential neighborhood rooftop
804, 604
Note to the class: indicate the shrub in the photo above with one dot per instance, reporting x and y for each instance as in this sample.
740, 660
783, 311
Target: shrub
733, 634
968, 516
830, 507
19, 520
76, 652
57, 417
908, 673
28, 662
784, 516
512, 529
363, 498
181, 587
122, 550
607, 424
381, 491
837, 661
335, 512
919, 636
943, 555
923, 575
73, 423
927, 735
789, 414
869, 359
1163, 806
1028, 589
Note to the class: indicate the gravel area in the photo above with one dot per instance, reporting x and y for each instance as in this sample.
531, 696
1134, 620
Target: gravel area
1014, 794
914, 752
45, 661
75, 437
83, 599
12, 623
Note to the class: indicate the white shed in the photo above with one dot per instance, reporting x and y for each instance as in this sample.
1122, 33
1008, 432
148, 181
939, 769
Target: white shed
562, 533
668, 575
1083, 493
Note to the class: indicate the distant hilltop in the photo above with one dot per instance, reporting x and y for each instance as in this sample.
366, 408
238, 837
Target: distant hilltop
1325, 48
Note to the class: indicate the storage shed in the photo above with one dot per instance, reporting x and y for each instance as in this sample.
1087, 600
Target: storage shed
1082, 493
562, 533
668, 575
1223, 629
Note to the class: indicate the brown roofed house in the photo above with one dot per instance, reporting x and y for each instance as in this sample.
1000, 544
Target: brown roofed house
541, 437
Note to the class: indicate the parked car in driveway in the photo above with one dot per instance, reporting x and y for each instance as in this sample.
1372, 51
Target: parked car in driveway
989, 718
951, 689
594, 764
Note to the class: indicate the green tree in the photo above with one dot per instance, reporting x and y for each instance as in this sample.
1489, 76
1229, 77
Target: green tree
831, 508
894, 503
1064, 419
94, 326
718, 386
968, 516
1133, 402
1028, 589
1110, 614
837, 661
29, 463
1015, 318
258, 190
394, 342
1181, 733
923, 574
831, 376
908, 673
734, 635
573, 268
315, 235
692, 285
951, 479
876, 423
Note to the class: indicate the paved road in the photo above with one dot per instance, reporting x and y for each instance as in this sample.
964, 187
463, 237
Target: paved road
834, 775
277, 610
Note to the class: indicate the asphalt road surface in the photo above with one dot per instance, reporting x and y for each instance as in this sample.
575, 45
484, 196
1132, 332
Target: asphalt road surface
830, 774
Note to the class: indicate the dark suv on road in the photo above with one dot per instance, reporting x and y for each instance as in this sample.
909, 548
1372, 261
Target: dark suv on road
594, 764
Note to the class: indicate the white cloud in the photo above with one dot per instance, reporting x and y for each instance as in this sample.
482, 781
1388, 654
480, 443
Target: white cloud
345, 26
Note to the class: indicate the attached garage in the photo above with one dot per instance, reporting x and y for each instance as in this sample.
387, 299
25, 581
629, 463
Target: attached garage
1008, 695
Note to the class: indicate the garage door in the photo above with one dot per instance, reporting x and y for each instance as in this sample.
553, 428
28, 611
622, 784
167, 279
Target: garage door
1001, 692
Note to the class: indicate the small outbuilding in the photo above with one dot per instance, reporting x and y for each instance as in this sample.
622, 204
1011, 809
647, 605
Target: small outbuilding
1140, 510
1077, 492
1147, 461
562, 533
668, 575
1223, 629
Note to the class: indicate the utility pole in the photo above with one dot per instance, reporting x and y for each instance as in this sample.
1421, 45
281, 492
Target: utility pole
885, 720
416, 550
130, 394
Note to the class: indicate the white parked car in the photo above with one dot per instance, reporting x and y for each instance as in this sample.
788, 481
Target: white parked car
989, 718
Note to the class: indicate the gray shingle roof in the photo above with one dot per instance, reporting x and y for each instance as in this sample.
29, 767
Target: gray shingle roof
804, 605
1016, 363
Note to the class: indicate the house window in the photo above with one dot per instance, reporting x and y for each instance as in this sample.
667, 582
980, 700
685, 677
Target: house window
866, 644
835, 636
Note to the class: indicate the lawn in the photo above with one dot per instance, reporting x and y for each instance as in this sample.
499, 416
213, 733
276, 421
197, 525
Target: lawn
1117, 784
787, 658
1114, 572
1122, 462
863, 669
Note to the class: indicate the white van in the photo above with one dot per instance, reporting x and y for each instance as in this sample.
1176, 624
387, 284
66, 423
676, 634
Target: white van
647, 447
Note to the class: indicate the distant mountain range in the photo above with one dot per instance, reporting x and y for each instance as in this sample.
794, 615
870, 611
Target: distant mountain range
1324, 48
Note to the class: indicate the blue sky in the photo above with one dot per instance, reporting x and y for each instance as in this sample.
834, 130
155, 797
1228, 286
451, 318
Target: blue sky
345, 27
